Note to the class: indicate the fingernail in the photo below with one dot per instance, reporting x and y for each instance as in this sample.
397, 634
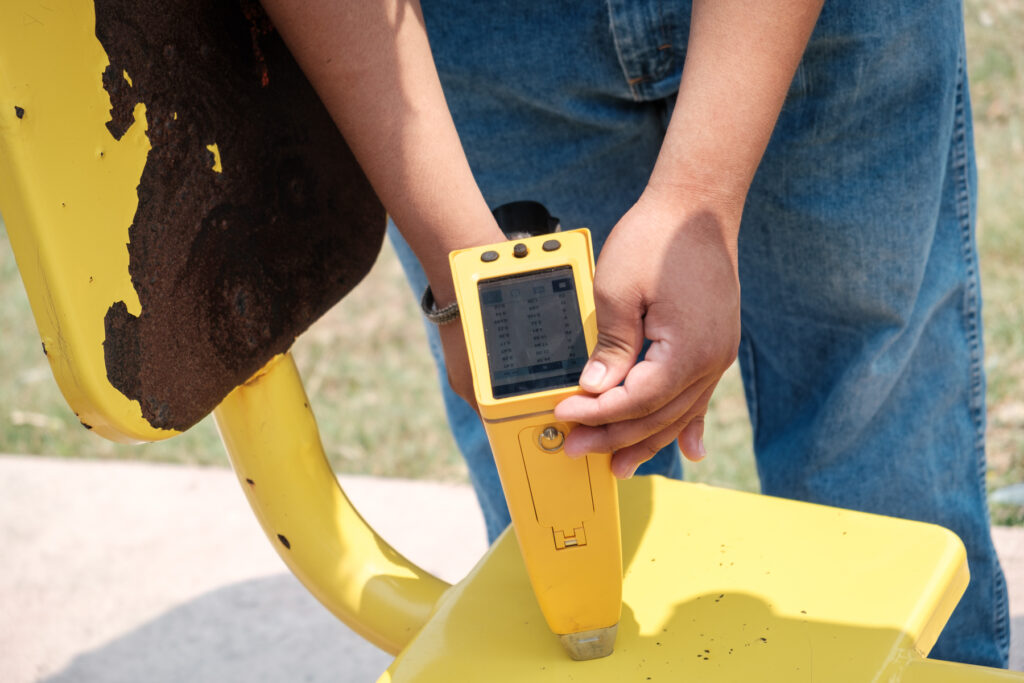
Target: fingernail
698, 455
592, 375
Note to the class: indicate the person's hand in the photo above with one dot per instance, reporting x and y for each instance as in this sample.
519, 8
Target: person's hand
456, 359
667, 273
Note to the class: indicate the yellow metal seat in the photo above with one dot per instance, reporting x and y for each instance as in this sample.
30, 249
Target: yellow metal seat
719, 586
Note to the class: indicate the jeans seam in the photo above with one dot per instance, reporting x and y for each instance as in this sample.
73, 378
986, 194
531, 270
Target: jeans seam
971, 304
665, 40
630, 81
971, 315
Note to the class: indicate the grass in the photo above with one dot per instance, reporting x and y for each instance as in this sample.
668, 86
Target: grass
996, 62
33, 415
374, 388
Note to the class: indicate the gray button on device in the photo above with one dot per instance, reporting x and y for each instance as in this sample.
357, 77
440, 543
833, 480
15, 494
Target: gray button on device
489, 256
551, 245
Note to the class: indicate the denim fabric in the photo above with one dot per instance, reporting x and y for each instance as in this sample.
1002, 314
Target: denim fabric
861, 347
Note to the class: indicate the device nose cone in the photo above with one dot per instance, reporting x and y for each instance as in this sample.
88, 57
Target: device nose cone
590, 644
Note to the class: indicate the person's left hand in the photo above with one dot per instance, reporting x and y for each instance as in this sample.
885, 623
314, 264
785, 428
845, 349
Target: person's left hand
668, 274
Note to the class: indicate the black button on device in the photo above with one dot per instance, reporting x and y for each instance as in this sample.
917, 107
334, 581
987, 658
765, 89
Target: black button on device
552, 245
489, 256
520, 250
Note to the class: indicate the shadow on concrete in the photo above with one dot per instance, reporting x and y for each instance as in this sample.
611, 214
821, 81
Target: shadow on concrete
267, 629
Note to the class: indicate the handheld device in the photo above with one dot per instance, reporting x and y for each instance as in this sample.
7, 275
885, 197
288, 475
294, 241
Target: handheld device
527, 309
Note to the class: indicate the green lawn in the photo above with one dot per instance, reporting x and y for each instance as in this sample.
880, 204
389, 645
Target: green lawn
374, 389
996, 63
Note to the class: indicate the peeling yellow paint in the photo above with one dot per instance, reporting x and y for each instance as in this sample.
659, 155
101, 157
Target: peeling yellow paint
127, 77
68, 194
217, 168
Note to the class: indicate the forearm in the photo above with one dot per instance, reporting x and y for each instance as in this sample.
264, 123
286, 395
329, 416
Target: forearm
370, 62
740, 60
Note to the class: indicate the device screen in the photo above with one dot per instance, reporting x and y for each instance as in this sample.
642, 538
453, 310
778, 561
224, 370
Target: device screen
533, 331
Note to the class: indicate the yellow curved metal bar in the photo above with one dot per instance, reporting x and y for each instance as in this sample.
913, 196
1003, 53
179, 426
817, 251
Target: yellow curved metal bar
272, 439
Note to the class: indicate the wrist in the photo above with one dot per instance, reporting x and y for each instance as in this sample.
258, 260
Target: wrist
439, 315
442, 289
680, 202
433, 256
720, 184
692, 215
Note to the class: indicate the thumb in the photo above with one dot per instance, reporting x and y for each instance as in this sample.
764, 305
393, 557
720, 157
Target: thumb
619, 340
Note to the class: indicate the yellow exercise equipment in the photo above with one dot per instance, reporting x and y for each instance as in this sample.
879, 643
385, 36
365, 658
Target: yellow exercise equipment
718, 585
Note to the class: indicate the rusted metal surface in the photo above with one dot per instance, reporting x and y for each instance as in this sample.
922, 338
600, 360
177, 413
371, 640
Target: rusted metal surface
253, 216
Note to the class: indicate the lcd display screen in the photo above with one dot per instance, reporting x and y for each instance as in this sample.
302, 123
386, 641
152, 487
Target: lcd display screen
533, 331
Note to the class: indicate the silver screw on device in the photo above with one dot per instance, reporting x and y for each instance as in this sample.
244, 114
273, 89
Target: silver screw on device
551, 439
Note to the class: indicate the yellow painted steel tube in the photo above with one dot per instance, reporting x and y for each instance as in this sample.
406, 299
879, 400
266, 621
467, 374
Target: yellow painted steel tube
272, 439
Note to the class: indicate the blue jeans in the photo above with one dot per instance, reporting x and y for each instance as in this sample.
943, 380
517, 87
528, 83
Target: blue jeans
861, 349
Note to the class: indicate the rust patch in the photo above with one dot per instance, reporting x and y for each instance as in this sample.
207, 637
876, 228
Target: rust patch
229, 267
259, 26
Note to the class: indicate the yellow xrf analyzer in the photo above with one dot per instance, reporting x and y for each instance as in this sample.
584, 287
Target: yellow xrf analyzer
527, 311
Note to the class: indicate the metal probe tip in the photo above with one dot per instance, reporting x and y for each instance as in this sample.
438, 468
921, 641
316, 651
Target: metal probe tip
590, 644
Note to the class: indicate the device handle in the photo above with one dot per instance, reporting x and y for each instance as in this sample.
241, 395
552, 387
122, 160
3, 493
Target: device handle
272, 439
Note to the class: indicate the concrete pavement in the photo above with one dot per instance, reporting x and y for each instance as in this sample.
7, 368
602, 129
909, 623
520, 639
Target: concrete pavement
120, 571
